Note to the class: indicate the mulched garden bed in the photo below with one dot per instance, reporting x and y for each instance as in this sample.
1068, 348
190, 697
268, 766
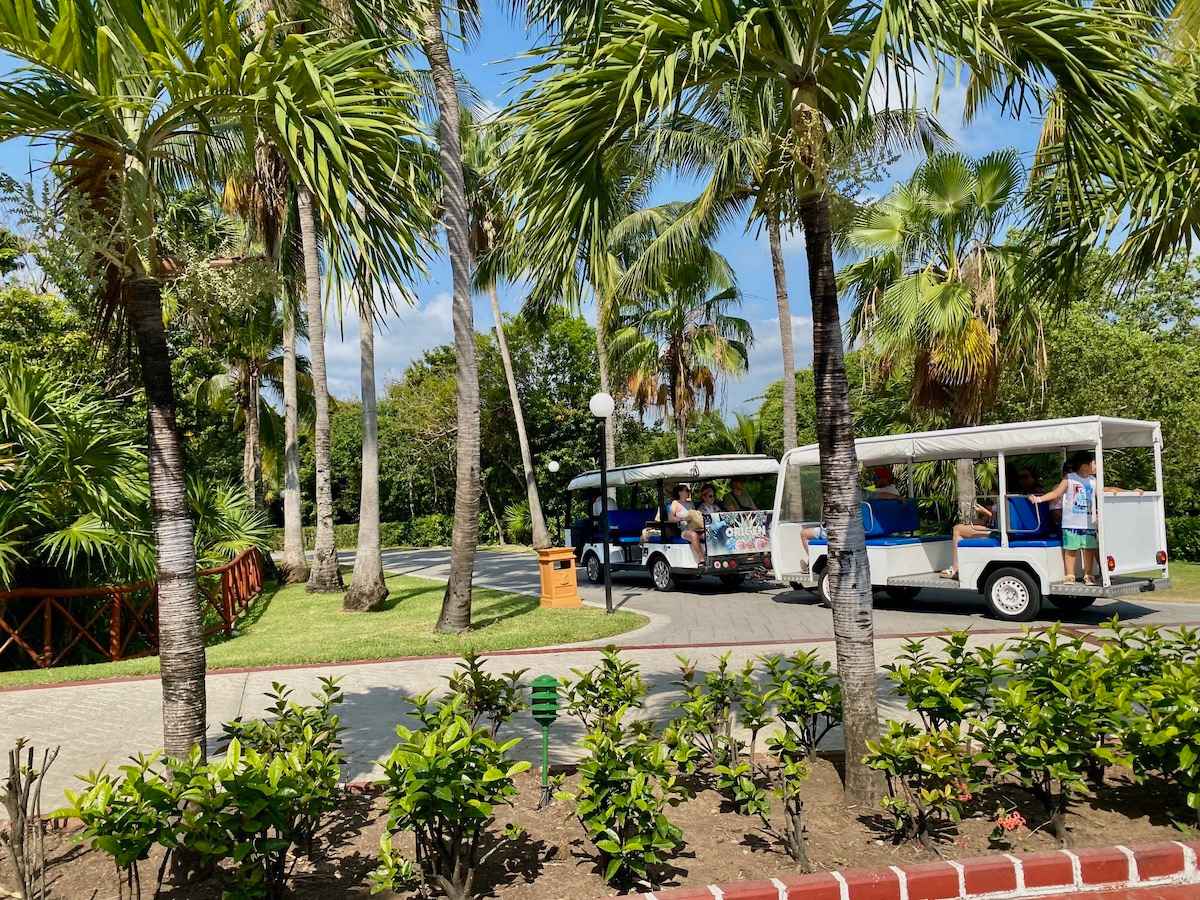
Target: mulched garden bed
555, 860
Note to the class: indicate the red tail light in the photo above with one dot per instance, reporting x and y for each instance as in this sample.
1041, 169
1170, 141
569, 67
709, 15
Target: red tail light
1161, 557
1112, 563
732, 564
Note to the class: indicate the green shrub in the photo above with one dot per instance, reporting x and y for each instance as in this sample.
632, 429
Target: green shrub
251, 807
626, 783
806, 696
1054, 721
930, 777
1164, 732
608, 688
486, 697
1183, 538
947, 685
433, 530
443, 783
702, 735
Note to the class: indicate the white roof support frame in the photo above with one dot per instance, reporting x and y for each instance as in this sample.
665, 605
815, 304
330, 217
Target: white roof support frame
693, 468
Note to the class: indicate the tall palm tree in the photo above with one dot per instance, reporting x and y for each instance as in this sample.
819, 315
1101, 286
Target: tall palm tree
620, 65
483, 144
939, 296
137, 111
295, 563
674, 342
367, 587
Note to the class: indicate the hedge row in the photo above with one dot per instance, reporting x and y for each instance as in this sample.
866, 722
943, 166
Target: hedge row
433, 530
1183, 537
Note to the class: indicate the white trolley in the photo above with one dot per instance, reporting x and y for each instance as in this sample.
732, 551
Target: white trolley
737, 542
1021, 563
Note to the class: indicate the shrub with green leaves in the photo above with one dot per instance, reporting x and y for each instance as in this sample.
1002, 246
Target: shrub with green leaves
611, 686
946, 685
486, 697
249, 808
443, 783
930, 776
701, 736
626, 783
1163, 734
806, 695
1054, 721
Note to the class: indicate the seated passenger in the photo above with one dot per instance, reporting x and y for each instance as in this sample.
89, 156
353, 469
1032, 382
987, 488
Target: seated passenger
739, 498
708, 500
885, 485
690, 522
981, 527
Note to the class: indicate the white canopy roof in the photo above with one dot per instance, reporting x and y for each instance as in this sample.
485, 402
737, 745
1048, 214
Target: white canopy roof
980, 441
691, 468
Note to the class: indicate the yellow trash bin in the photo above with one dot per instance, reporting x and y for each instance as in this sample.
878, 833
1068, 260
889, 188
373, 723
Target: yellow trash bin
557, 568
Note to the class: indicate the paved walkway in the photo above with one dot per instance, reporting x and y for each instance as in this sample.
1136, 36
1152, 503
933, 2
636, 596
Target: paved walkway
105, 723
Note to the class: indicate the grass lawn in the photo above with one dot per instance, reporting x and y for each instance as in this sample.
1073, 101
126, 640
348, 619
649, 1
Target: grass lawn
287, 625
1185, 584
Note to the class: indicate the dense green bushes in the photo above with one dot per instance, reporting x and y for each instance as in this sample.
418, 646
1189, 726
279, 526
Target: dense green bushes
433, 530
241, 815
1183, 538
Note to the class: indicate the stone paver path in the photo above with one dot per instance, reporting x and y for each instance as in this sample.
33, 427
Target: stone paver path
105, 723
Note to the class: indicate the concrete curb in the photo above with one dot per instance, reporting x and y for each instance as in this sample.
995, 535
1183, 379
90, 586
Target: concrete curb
1000, 877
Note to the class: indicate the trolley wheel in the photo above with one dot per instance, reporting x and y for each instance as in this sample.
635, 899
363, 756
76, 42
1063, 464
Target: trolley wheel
1012, 595
594, 568
1071, 604
796, 586
822, 588
661, 575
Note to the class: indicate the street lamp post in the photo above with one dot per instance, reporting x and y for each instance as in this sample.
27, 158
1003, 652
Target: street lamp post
602, 406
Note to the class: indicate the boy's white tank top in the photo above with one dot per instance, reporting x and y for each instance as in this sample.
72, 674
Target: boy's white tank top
1079, 503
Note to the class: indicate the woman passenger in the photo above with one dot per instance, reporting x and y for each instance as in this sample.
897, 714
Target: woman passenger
683, 514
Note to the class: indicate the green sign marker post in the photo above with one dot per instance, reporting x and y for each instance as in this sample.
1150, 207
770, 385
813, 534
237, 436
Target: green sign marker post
544, 705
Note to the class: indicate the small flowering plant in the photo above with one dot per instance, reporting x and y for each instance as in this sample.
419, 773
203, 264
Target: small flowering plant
931, 777
1007, 821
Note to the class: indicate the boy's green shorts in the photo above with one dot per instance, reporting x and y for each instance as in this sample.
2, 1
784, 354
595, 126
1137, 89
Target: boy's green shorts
1079, 540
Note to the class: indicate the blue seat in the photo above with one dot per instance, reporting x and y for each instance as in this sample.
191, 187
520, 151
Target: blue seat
626, 524
894, 540
886, 517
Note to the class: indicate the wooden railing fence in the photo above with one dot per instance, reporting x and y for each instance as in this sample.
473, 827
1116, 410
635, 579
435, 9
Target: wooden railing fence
51, 626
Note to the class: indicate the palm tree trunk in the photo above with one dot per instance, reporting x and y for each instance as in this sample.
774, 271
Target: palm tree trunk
785, 333
324, 575
680, 412
367, 588
610, 437
964, 477
541, 539
252, 454
180, 621
295, 566
849, 573
456, 605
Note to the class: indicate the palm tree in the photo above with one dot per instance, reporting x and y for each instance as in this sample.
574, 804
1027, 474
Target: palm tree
483, 144
618, 66
745, 435
367, 587
132, 116
673, 343
295, 563
938, 296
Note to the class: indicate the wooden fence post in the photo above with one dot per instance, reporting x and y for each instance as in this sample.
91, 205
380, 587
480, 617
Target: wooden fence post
114, 627
47, 633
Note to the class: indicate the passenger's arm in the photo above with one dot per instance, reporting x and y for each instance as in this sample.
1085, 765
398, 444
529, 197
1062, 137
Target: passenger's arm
1113, 489
1059, 490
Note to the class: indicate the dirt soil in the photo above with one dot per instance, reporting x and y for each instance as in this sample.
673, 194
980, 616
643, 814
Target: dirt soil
555, 860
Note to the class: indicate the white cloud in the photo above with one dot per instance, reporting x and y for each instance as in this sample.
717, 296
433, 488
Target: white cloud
766, 362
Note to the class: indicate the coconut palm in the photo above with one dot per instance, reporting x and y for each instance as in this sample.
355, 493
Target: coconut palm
745, 435
673, 343
137, 96
618, 66
939, 296
482, 144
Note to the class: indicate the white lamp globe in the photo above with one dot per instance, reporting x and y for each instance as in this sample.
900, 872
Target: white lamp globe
601, 405
552, 465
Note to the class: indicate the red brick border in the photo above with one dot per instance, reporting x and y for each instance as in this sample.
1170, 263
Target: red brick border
1094, 870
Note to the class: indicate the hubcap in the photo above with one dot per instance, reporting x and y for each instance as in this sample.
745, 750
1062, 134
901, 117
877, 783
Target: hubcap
1010, 595
662, 574
593, 568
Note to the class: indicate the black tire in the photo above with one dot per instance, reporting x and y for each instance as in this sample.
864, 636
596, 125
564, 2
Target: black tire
822, 588
731, 581
1012, 595
796, 586
594, 568
661, 574
903, 594
1071, 604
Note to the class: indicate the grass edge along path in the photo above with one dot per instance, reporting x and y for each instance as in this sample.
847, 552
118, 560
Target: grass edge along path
288, 626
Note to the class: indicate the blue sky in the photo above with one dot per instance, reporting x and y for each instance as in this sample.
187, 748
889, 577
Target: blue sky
491, 64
